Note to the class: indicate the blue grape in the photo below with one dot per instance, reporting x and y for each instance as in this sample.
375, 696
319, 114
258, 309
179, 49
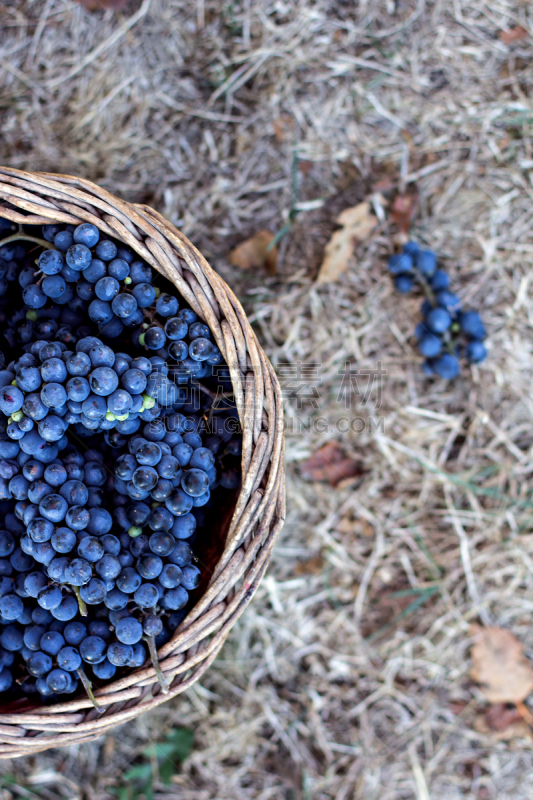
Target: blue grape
170, 576
54, 286
179, 351
146, 596
191, 577
448, 300
144, 293
446, 366
39, 664
75, 632
129, 630
119, 269
152, 625
86, 234
155, 338
91, 549
51, 262
149, 566
49, 231
93, 592
106, 250
53, 395
50, 597
108, 567
53, 507
105, 670
472, 325
119, 654
425, 262
129, 580
195, 482
78, 257
439, 280
67, 609
438, 320
11, 607
100, 311
430, 345
11, 400
103, 381
69, 659
78, 572
93, 649
184, 526
402, 283
52, 642
476, 352
124, 305
175, 599
199, 330
139, 271
107, 288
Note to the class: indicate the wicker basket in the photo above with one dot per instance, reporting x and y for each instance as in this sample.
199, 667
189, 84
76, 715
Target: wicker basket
247, 533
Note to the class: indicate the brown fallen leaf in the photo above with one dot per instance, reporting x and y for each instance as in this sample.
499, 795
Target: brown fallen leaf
253, 253
283, 127
330, 464
357, 224
499, 665
500, 716
513, 35
516, 728
404, 209
95, 5
312, 566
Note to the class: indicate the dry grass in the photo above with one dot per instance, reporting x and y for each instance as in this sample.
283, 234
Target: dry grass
201, 109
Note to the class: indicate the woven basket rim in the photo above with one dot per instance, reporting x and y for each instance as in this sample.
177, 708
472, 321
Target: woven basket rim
259, 511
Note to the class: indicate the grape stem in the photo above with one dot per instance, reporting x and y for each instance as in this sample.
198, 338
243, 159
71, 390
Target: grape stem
89, 689
81, 603
165, 688
16, 237
447, 339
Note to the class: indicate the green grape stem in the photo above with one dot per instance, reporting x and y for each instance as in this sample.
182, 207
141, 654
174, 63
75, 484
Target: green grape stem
87, 685
165, 687
81, 603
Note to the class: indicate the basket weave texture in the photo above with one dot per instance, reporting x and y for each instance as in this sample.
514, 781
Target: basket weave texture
260, 507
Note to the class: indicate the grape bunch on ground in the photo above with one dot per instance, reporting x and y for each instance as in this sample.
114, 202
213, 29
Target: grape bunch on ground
119, 447
447, 332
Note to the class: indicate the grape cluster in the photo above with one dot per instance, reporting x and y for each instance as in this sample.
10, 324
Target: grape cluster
118, 440
446, 332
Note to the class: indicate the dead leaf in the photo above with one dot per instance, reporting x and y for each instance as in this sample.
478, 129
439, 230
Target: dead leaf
499, 665
95, 5
457, 706
253, 253
330, 464
516, 728
313, 566
513, 35
357, 224
404, 209
355, 527
500, 716
305, 166
282, 126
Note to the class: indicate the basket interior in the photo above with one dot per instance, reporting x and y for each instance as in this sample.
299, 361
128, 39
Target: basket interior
207, 550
